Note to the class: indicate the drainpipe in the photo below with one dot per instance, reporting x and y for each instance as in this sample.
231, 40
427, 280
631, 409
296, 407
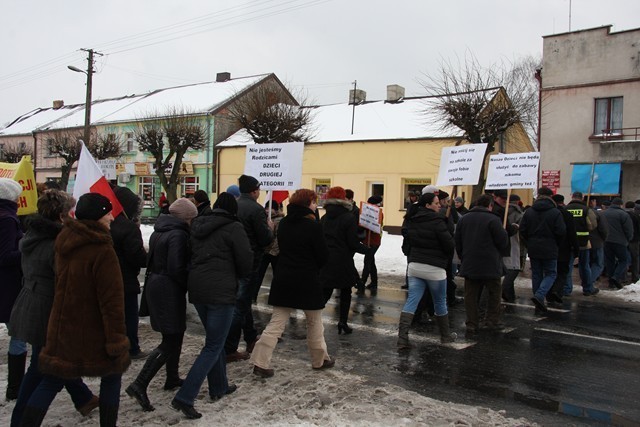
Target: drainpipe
208, 157
35, 153
538, 77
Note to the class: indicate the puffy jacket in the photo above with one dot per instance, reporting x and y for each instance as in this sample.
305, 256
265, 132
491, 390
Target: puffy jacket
427, 239
10, 271
221, 255
254, 219
543, 229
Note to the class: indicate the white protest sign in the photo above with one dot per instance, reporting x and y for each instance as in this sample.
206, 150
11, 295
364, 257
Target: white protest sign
518, 170
461, 165
275, 166
108, 168
370, 217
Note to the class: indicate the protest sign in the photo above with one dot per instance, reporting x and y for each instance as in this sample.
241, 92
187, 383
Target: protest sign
461, 165
275, 166
370, 217
22, 173
518, 170
108, 168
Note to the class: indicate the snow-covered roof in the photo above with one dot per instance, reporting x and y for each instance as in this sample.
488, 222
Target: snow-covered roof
376, 120
200, 98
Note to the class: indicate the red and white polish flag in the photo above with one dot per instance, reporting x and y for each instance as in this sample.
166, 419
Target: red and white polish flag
89, 179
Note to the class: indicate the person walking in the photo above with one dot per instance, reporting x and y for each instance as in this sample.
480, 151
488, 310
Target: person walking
271, 252
429, 246
259, 230
616, 254
341, 234
568, 248
86, 334
30, 314
597, 237
513, 263
296, 284
480, 241
169, 256
543, 229
128, 244
584, 220
221, 254
11, 274
635, 240
373, 241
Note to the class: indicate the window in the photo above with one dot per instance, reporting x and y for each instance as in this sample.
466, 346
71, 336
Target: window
321, 186
608, 116
413, 185
376, 189
147, 190
1, 151
49, 147
22, 146
130, 141
189, 185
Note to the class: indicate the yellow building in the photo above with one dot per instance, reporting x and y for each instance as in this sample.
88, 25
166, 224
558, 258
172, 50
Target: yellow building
394, 148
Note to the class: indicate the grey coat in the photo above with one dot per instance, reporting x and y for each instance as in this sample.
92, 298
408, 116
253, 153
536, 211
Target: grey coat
620, 225
221, 255
30, 314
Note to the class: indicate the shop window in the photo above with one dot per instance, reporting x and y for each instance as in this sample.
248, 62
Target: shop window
608, 116
147, 190
412, 185
189, 185
321, 186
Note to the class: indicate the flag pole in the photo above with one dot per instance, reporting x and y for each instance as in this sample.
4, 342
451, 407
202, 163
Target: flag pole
593, 169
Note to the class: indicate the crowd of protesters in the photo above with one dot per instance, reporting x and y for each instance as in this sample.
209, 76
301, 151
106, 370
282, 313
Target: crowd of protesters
64, 296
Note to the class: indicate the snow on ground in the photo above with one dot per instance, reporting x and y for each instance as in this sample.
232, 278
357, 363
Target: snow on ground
296, 395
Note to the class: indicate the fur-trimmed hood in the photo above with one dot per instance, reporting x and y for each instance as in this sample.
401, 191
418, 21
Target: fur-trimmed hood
81, 232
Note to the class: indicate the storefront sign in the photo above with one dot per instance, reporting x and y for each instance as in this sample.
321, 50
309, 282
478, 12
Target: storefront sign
142, 168
108, 168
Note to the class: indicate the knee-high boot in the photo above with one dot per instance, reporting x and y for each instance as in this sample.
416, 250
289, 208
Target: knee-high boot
445, 335
403, 330
138, 388
16, 366
173, 361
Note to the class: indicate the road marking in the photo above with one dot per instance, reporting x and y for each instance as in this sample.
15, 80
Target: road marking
558, 310
588, 336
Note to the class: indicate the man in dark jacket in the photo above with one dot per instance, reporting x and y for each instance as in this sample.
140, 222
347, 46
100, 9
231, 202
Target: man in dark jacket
127, 241
633, 243
260, 233
543, 229
584, 220
616, 255
480, 240
567, 251
597, 236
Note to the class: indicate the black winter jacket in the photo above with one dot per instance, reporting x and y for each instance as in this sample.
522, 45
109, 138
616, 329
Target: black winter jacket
427, 239
254, 219
543, 229
480, 241
341, 234
127, 241
570, 245
221, 255
303, 252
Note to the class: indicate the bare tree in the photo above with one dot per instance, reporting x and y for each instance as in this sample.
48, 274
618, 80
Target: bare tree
12, 153
182, 131
270, 114
482, 102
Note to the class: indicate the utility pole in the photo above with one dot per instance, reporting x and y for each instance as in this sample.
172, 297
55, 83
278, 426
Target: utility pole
353, 114
87, 107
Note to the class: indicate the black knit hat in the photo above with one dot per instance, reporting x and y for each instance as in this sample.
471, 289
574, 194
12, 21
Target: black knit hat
248, 184
92, 206
375, 200
201, 196
227, 202
500, 193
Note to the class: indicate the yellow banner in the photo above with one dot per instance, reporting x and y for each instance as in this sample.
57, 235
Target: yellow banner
22, 173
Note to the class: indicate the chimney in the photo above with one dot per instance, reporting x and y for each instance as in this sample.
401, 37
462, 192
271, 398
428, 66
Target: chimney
394, 93
360, 96
223, 77
57, 104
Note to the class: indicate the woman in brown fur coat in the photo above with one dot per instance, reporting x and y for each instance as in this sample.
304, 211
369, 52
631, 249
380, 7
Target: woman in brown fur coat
86, 334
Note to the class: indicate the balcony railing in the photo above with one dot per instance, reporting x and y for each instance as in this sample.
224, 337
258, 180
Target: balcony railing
619, 135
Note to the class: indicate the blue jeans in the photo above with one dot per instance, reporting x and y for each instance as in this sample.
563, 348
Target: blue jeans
584, 268
50, 386
596, 262
78, 390
131, 321
616, 258
568, 287
211, 362
16, 347
543, 274
242, 322
417, 287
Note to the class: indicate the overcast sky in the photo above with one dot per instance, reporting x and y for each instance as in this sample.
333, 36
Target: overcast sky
321, 46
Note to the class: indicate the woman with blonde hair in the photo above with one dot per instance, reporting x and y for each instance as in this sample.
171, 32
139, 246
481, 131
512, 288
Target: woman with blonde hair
296, 283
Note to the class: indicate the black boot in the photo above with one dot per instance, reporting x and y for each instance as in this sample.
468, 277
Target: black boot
108, 415
138, 388
403, 331
173, 362
445, 335
32, 416
16, 373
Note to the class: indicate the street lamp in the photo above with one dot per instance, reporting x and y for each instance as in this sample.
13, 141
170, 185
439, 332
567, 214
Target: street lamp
87, 107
